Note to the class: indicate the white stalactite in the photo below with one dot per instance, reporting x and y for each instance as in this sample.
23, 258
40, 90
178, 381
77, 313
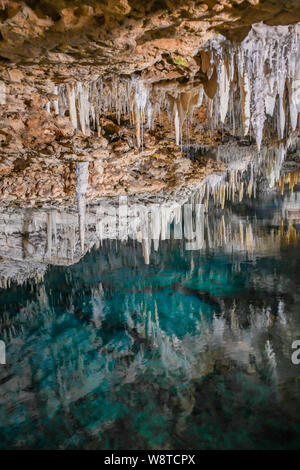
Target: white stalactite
224, 88
266, 62
258, 78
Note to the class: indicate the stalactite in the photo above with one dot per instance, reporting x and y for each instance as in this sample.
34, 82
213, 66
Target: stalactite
2, 92
141, 103
72, 104
224, 89
133, 98
253, 80
249, 86
266, 63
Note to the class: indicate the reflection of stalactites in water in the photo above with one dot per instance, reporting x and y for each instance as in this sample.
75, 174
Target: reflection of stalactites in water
290, 236
51, 229
271, 358
246, 167
82, 175
291, 178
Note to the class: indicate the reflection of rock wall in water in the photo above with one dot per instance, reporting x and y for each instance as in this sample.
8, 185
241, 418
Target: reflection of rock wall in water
30, 239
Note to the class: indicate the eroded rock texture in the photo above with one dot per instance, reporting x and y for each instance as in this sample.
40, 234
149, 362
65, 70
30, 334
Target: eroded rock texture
39, 150
125, 35
51, 50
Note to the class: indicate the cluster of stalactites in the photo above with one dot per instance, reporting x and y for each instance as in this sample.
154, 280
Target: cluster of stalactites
182, 106
246, 84
258, 78
239, 181
134, 98
245, 168
291, 178
86, 102
239, 234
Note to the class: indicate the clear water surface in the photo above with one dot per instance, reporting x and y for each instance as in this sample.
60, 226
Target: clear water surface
111, 353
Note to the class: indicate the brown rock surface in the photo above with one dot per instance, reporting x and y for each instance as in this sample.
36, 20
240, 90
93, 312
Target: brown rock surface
43, 43
38, 152
124, 35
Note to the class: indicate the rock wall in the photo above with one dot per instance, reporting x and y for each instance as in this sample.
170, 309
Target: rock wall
46, 48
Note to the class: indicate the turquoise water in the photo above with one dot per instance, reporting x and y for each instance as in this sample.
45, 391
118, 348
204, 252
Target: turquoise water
111, 353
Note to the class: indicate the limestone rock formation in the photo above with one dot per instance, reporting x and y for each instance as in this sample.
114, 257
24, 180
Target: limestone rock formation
126, 86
